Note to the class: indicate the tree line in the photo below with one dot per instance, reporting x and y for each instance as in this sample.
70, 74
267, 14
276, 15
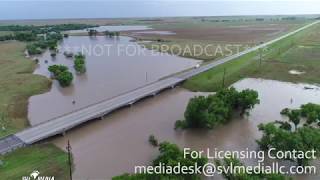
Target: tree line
93, 32
49, 40
45, 28
41, 37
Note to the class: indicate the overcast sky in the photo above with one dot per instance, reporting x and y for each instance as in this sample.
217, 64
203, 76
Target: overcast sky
51, 9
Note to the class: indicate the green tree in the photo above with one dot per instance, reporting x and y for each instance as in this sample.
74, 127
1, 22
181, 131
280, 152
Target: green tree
61, 73
65, 78
92, 32
247, 99
294, 117
311, 112
196, 114
302, 139
170, 155
213, 110
33, 49
57, 69
80, 63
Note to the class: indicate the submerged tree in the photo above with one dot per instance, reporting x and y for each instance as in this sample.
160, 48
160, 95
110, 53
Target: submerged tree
281, 136
65, 78
213, 110
92, 32
247, 99
61, 73
170, 155
80, 63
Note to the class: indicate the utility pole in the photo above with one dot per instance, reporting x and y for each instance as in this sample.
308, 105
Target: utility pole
224, 77
146, 77
69, 159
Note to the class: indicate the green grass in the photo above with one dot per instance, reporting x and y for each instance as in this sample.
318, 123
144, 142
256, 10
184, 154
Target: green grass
47, 159
279, 58
3, 33
212, 80
17, 84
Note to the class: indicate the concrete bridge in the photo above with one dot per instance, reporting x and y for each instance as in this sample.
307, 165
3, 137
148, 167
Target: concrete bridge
61, 124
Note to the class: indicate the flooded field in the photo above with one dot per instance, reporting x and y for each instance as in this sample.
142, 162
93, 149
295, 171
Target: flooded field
220, 32
113, 28
114, 145
155, 32
114, 66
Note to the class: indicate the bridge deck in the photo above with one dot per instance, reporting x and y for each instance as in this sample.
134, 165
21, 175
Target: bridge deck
10, 143
68, 121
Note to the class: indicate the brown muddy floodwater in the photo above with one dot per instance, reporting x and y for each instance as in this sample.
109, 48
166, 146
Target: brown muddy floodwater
114, 66
114, 145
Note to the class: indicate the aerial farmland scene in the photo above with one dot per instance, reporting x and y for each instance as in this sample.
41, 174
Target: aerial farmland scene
160, 90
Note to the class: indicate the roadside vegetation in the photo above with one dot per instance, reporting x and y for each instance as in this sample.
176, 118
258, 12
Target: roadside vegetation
62, 74
46, 158
17, 84
298, 52
213, 110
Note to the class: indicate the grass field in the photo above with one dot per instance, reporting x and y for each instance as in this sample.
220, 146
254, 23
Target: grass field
219, 36
227, 32
47, 159
17, 84
3, 33
299, 52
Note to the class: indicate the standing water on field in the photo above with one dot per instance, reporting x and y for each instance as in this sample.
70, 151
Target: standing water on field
114, 66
